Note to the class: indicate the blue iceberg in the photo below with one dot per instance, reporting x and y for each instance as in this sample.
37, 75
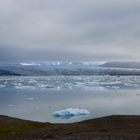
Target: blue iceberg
70, 112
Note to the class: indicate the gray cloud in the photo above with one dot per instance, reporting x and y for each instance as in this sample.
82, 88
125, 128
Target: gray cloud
69, 30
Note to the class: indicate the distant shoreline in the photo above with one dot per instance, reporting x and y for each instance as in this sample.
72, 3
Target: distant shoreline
120, 127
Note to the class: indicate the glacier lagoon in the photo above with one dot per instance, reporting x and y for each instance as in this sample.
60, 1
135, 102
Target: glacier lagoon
38, 97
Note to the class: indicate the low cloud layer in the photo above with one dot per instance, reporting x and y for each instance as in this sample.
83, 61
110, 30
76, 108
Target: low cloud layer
69, 30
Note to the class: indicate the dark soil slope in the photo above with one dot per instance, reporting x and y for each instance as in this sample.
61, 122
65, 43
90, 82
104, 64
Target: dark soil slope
107, 128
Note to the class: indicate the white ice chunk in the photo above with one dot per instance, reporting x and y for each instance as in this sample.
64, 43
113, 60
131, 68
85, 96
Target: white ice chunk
42, 86
131, 85
10, 105
24, 87
2, 86
31, 99
70, 112
29, 64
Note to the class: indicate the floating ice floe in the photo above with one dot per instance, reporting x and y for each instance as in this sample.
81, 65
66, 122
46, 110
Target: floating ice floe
45, 86
2, 86
70, 112
11, 105
30, 64
131, 85
32, 81
24, 87
31, 99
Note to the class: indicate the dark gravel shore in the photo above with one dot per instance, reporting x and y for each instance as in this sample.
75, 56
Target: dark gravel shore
106, 128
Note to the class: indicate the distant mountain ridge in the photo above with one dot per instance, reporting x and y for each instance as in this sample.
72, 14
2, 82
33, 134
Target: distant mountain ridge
63, 68
6, 72
135, 65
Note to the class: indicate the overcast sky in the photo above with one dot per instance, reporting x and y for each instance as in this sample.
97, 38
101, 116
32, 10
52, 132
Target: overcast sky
70, 30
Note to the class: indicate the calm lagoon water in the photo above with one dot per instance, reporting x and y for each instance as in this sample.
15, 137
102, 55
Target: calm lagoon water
37, 98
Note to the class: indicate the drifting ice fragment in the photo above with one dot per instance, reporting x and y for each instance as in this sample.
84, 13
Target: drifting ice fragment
2, 86
29, 64
70, 112
10, 105
31, 99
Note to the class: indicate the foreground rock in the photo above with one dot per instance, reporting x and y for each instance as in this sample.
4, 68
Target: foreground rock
107, 128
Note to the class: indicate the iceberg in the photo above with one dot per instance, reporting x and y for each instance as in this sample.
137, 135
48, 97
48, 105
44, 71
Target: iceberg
70, 112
